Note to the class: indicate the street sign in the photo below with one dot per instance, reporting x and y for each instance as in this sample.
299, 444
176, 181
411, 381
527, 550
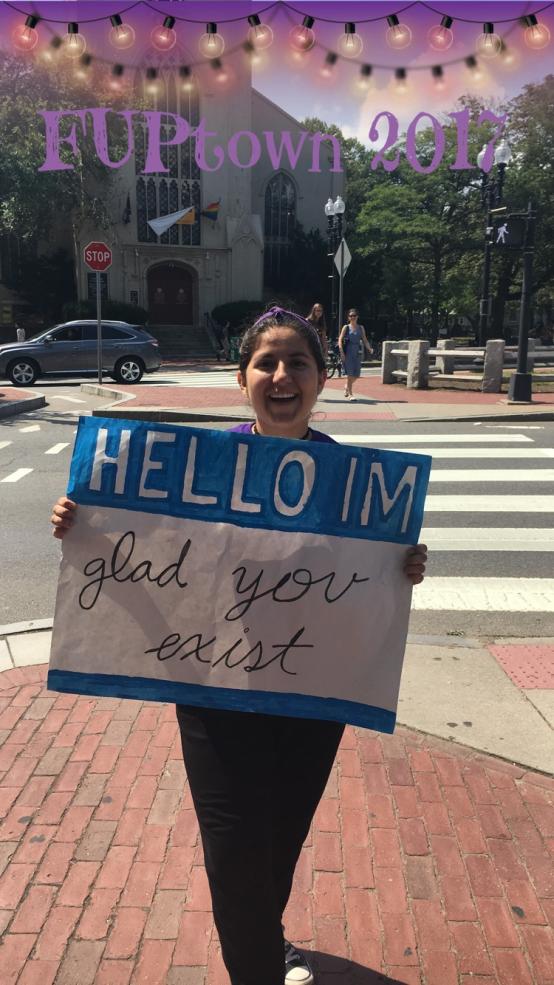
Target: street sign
346, 257
97, 256
508, 231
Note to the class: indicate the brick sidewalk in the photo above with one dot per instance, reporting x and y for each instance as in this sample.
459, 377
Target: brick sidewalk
427, 863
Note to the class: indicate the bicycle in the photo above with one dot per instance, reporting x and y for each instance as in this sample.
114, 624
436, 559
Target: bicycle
334, 362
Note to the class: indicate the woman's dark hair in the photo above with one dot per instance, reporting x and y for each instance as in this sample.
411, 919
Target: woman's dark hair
280, 318
320, 323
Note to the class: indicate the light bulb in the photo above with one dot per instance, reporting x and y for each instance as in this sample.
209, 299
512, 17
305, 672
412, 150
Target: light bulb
488, 43
438, 77
223, 73
401, 80
330, 61
121, 35
440, 36
301, 37
398, 35
211, 44
24, 36
350, 44
163, 37
536, 35
260, 35
74, 44
363, 81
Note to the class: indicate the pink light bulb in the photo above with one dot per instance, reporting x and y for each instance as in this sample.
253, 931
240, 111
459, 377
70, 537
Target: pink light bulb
163, 37
537, 36
261, 36
302, 38
24, 37
488, 44
440, 38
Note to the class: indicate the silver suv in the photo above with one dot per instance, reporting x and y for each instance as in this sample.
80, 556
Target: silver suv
70, 349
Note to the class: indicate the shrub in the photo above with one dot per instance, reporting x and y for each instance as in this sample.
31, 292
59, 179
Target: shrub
239, 314
115, 310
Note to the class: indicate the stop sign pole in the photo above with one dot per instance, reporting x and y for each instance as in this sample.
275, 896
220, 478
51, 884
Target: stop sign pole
98, 257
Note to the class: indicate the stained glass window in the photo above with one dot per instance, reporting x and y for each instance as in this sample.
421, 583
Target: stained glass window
279, 223
156, 195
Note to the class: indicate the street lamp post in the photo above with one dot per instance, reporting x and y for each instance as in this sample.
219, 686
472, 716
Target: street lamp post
491, 197
520, 389
334, 212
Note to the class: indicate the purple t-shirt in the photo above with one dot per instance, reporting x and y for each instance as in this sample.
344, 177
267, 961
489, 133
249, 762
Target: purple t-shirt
246, 428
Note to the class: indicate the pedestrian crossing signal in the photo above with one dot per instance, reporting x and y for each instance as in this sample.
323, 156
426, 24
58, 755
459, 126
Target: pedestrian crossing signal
508, 231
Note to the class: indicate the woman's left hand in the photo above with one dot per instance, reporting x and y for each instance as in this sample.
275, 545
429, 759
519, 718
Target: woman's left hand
414, 565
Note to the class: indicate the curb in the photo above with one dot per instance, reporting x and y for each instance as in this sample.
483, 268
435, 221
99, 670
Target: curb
14, 407
160, 414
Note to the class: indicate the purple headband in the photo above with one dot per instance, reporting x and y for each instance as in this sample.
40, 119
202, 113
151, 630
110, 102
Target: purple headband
281, 314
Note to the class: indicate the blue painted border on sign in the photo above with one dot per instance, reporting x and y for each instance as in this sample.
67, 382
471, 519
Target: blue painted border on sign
216, 458
230, 699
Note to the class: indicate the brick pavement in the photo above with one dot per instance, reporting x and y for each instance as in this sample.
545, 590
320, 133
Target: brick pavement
428, 864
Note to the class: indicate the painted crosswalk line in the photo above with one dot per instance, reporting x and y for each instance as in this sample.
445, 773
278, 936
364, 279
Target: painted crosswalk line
524, 505
429, 439
56, 449
485, 594
492, 475
482, 539
510, 453
16, 476
28, 428
4, 444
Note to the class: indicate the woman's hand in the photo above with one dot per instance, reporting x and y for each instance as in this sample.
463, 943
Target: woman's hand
63, 516
414, 565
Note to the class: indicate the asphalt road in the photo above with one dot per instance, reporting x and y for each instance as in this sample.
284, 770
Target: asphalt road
40, 443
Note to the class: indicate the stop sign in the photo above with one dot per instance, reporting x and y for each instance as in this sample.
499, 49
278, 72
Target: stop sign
97, 256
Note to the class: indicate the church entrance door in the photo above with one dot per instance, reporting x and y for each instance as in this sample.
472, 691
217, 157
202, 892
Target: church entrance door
170, 295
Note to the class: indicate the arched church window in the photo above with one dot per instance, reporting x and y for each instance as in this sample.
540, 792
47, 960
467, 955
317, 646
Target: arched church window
279, 224
165, 192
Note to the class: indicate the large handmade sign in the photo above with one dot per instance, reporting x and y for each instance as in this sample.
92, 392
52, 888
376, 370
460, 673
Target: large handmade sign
229, 570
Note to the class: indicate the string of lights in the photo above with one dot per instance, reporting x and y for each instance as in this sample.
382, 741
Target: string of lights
302, 39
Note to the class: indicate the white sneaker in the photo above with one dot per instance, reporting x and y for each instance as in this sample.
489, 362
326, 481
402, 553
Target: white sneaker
298, 971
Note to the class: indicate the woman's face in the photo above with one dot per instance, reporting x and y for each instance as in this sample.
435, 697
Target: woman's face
352, 315
318, 310
282, 382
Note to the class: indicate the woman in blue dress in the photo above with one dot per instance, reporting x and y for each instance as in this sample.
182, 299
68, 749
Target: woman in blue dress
349, 344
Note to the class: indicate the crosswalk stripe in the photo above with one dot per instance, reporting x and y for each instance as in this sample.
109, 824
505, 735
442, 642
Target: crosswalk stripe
485, 594
56, 449
492, 475
16, 476
421, 439
4, 444
488, 539
511, 453
525, 505
30, 427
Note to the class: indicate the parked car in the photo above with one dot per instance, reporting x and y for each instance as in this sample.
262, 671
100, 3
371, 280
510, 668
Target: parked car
70, 349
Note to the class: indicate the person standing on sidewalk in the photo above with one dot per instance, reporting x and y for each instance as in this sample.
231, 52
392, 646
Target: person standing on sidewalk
351, 339
256, 779
317, 318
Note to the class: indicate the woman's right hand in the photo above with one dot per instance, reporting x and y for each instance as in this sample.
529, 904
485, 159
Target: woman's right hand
63, 516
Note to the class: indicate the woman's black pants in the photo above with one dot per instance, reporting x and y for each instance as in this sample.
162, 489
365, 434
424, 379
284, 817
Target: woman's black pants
256, 781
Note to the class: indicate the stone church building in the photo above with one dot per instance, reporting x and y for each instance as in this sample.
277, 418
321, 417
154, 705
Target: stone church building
190, 269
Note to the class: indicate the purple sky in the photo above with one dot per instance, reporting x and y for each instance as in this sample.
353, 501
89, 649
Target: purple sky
299, 87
